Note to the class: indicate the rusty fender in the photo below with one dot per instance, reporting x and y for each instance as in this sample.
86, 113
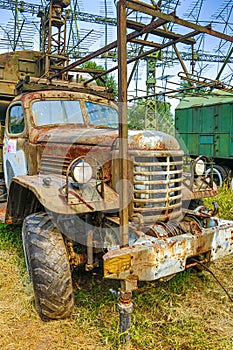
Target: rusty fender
47, 189
150, 258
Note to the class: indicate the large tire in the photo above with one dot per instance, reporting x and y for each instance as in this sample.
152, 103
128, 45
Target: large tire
48, 267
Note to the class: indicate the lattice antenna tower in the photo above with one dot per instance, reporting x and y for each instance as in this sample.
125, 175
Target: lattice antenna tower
106, 9
53, 28
57, 49
166, 6
80, 40
193, 14
28, 27
194, 10
225, 15
18, 33
151, 115
73, 35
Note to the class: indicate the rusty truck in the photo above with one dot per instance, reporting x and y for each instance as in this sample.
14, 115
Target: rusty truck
60, 177
88, 191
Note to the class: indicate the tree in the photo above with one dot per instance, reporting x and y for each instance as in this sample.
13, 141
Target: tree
136, 115
163, 116
106, 80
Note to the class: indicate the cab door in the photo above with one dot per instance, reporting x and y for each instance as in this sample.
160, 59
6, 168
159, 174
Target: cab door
14, 157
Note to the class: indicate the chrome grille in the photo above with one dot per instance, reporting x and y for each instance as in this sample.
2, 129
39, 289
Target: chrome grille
157, 185
54, 164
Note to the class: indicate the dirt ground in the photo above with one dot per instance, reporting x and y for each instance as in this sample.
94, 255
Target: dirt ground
185, 315
20, 326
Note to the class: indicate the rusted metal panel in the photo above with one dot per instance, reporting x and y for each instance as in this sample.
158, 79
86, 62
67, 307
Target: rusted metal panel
152, 140
150, 258
75, 135
2, 212
222, 242
200, 189
16, 64
41, 84
49, 195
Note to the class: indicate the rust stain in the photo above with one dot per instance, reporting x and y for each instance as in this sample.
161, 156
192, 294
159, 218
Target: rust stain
151, 140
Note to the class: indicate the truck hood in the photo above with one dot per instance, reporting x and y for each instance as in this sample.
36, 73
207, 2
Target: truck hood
137, 139
152, 140
72, 134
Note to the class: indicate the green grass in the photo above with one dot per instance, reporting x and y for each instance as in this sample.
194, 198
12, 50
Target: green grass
225, 202
10, 237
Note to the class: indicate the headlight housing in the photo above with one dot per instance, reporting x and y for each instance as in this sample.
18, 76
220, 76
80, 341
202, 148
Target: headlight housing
81, 171
199, 167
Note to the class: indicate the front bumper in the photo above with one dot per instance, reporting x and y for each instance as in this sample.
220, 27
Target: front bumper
150, 258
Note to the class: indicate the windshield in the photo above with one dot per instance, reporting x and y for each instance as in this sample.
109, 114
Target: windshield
51, 112
102, 115
57, 112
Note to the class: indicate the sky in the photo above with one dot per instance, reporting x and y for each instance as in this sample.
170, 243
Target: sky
94, 34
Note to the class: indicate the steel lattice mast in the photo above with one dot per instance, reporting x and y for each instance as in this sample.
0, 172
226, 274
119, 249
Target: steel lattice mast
21, 35
151, 114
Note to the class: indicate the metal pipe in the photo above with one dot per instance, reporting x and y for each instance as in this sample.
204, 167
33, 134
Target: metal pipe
144, 54
111, 46
225, 63
125, 311
125, 308
123, 122
149, 10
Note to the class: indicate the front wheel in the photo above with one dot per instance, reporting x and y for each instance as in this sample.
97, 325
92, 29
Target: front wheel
48, 267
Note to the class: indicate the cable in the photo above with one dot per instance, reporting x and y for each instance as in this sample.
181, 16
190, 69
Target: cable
211, 272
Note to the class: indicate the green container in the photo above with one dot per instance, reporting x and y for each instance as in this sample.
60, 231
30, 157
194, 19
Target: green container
205, 125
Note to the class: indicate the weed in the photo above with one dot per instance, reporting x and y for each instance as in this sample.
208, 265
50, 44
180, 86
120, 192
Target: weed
10, 235
224, 200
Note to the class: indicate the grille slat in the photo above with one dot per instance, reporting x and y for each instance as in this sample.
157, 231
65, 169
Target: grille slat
158, 210
156, 191
157, 200
163, 173
157, 182
58, 165
159, 163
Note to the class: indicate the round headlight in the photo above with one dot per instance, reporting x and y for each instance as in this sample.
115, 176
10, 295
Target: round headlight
81, 172
199, 167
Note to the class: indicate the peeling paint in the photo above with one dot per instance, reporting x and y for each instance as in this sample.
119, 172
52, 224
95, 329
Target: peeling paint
153, 258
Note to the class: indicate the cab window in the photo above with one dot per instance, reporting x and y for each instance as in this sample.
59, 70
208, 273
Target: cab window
52, 112
102, 115
16, 120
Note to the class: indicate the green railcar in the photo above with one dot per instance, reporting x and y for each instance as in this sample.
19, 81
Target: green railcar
204, 125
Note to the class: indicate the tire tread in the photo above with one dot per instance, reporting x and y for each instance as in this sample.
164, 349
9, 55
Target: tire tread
49, 267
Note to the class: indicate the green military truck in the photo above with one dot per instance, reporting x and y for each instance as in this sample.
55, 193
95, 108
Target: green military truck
205, 125
60, 168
